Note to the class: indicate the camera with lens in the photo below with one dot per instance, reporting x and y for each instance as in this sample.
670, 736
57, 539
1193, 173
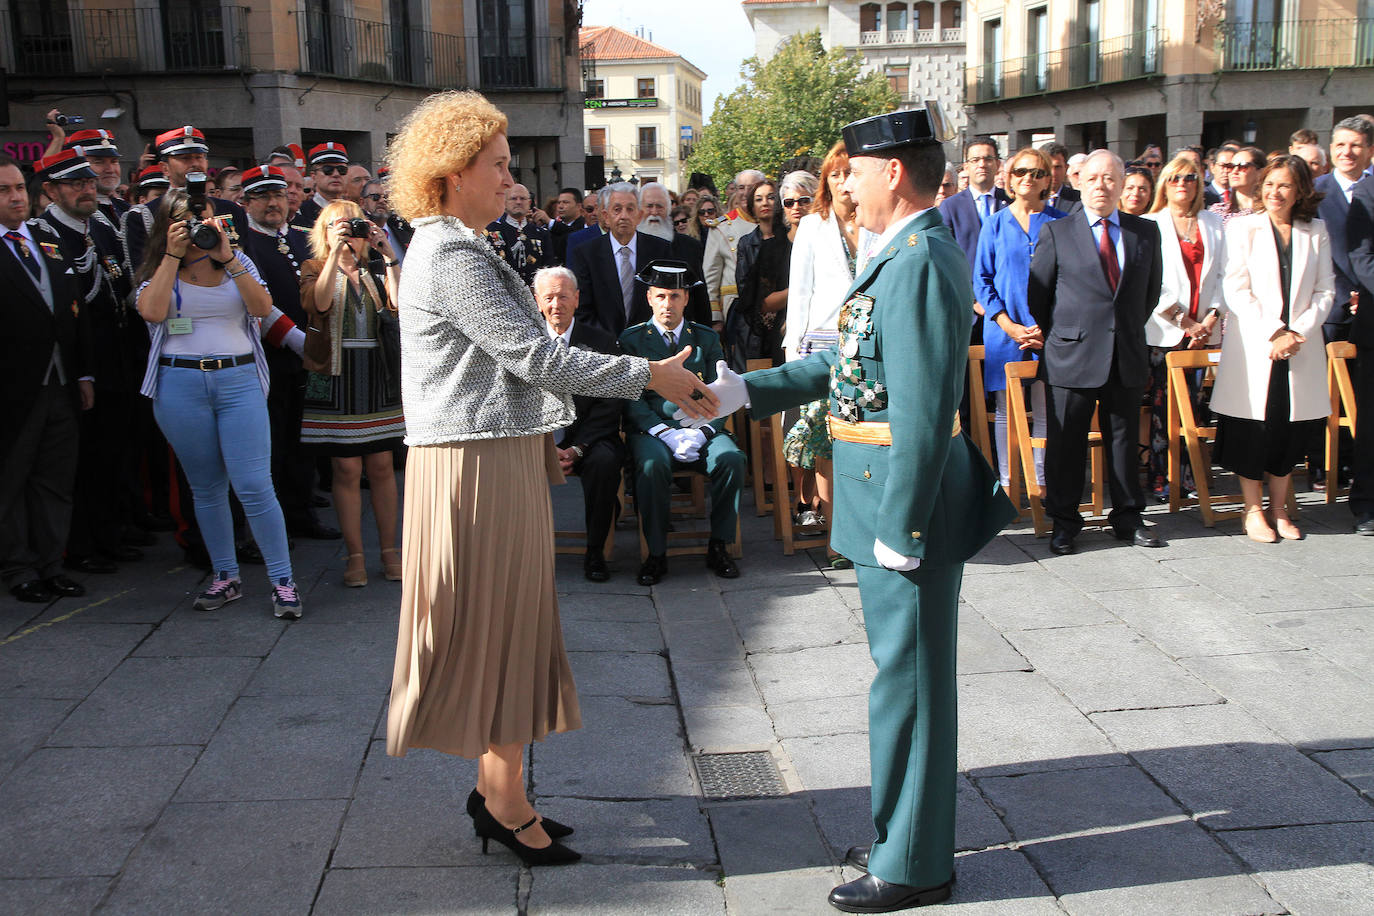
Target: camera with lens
203, 234
357, 229
63, 120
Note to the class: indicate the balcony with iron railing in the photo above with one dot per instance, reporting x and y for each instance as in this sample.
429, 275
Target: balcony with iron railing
1093, 63
913, 37
1323, 44
126, 41
647, 152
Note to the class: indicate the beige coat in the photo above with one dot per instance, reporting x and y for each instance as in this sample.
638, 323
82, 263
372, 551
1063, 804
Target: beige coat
1254, 307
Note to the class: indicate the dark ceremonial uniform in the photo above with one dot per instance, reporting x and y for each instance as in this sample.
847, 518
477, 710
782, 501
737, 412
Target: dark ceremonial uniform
907, 476
653, 463
526, 249
113, 209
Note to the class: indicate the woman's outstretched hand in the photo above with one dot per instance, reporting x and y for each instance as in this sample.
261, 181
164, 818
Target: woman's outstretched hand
675, 383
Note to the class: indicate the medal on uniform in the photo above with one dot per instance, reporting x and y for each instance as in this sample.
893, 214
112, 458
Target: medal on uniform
51, 250
849, 345
282, 246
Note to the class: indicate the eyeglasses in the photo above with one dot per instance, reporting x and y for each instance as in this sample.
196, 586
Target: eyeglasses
797, 202
1185, 178
375, 198
979, 160
680, 222
1152, 164
1241, 165
1034, 173
332, 169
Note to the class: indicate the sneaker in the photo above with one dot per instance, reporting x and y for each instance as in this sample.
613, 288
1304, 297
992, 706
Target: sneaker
286, 601
221, 591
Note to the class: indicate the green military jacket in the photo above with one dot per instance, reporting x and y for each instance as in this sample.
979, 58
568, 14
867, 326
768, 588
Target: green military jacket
901, 359
645, 340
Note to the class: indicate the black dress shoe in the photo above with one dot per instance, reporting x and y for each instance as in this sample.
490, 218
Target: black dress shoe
1140, 537
1365, 524
315, 531
857, 857
1061, 543
871, 894
718, 560
123, 553
91, 565
594, 566
67, 588
555, 830
33, 590
654, 569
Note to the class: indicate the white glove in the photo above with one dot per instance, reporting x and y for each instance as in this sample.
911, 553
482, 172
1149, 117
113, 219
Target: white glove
670, 437
689, 445
890, 559
729, 388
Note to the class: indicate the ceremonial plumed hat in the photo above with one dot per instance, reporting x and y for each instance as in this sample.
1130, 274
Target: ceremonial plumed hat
926, 126
99, 142
263, 178
299, 152
664, 273
63, 165
180, 141
328, 152
152, 177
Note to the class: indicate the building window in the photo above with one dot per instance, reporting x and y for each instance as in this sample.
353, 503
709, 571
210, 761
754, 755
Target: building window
596, 141
924, 16
596, 89
1037, 45
896, 17
506, 42
899, 78
644, 88
648, 144
992, 60
870, 17
957, 19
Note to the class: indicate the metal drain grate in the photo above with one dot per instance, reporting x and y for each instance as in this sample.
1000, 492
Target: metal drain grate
749, 774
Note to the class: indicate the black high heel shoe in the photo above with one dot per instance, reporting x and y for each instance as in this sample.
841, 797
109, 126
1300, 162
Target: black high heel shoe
555, 830
489, 828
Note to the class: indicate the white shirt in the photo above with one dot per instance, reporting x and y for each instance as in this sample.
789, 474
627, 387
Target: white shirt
1115, 219
517, 223
1347, 187
566, 335
892, 231
676, 331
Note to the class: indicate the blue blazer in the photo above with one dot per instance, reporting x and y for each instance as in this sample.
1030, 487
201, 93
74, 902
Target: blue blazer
1334, 210
960, 214
1001, 274
600, 300
581, 236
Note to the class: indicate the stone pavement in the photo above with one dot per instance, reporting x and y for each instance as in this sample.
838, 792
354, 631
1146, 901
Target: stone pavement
1185, 730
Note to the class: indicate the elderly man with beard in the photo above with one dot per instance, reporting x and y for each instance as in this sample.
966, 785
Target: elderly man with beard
517, 239
656, 206
606, 267
98, 147
719, 259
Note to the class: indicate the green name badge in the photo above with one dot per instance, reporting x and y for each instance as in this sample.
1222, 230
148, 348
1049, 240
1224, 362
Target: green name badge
178, 325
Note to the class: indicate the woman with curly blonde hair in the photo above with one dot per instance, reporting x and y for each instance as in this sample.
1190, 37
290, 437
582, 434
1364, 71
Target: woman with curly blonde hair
481, 669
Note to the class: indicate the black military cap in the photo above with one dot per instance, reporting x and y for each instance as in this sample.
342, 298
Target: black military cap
926, 126
668, 274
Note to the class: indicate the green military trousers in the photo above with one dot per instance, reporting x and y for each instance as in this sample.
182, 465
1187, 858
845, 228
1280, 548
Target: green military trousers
721, 461
912, 619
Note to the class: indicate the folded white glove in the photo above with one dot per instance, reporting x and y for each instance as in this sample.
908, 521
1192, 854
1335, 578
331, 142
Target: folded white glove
690, 445
890, 559
673, 438
729, 388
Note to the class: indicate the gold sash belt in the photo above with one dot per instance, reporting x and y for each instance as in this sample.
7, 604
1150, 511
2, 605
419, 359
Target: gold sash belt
869, 433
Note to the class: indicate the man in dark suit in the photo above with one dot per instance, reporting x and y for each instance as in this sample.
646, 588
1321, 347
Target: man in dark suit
606, 267
965, 211
654, 219
591, 446
1352, 146
526, 247
1062, 196
567, 219
1094, 280
45, 358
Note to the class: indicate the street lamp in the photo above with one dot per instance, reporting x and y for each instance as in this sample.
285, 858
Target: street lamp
1250, 133
616, 177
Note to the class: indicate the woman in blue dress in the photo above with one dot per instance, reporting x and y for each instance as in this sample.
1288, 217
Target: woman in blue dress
1001, 271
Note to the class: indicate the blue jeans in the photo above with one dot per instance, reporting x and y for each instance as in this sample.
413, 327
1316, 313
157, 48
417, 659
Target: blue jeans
217, 424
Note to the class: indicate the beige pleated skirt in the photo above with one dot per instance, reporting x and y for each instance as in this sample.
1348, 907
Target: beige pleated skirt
480, 657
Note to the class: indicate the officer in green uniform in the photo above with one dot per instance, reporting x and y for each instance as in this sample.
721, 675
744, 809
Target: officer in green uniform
914, 498
659, 444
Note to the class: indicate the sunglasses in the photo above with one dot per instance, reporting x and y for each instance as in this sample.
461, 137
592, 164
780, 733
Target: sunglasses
332, 169
1152, 164
680, 222
1034, 173
375, 198
1187, 178
797, 201
1242, 165
707, 212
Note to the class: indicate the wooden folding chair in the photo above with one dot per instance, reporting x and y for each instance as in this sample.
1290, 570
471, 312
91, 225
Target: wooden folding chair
701, 534
1021, 445
978, 405
759, 449
1184, 431
1343, 411
784, 527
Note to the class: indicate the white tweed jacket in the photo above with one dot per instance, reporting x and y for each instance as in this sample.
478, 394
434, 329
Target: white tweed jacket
476, 360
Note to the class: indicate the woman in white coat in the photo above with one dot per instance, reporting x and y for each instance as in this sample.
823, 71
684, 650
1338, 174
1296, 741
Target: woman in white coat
1271, 383
1190, 298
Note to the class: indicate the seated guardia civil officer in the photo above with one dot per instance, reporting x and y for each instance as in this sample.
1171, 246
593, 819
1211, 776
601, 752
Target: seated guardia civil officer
659, 445
590, 446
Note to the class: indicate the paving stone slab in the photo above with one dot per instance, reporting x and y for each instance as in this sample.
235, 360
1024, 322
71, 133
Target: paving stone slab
787, 619
725, 682
1032, 598
761, 568
1117, 567
725, 729
51, 896
409, 812
579, 606
1017, 722
701, 641
284, 747
313, 661
976, 825
625, 890
1355, 767
829, 716
691, 604
624, 565
813, 674
797, 892
1110, 667
194, 860
1322, 869
792, 842
157, 701
981, 648
1000, 555
1192, 620
998, 882
25, 724
1264, 583
1346, 635
113, 794
65, 661
614, 636
189, 633
1107, 840
371, 891
1230, 771
638, 749
1308, 699
621, 674
670, 831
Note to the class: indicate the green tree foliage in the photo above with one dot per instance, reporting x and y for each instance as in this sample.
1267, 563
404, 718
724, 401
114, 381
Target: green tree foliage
793, 105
